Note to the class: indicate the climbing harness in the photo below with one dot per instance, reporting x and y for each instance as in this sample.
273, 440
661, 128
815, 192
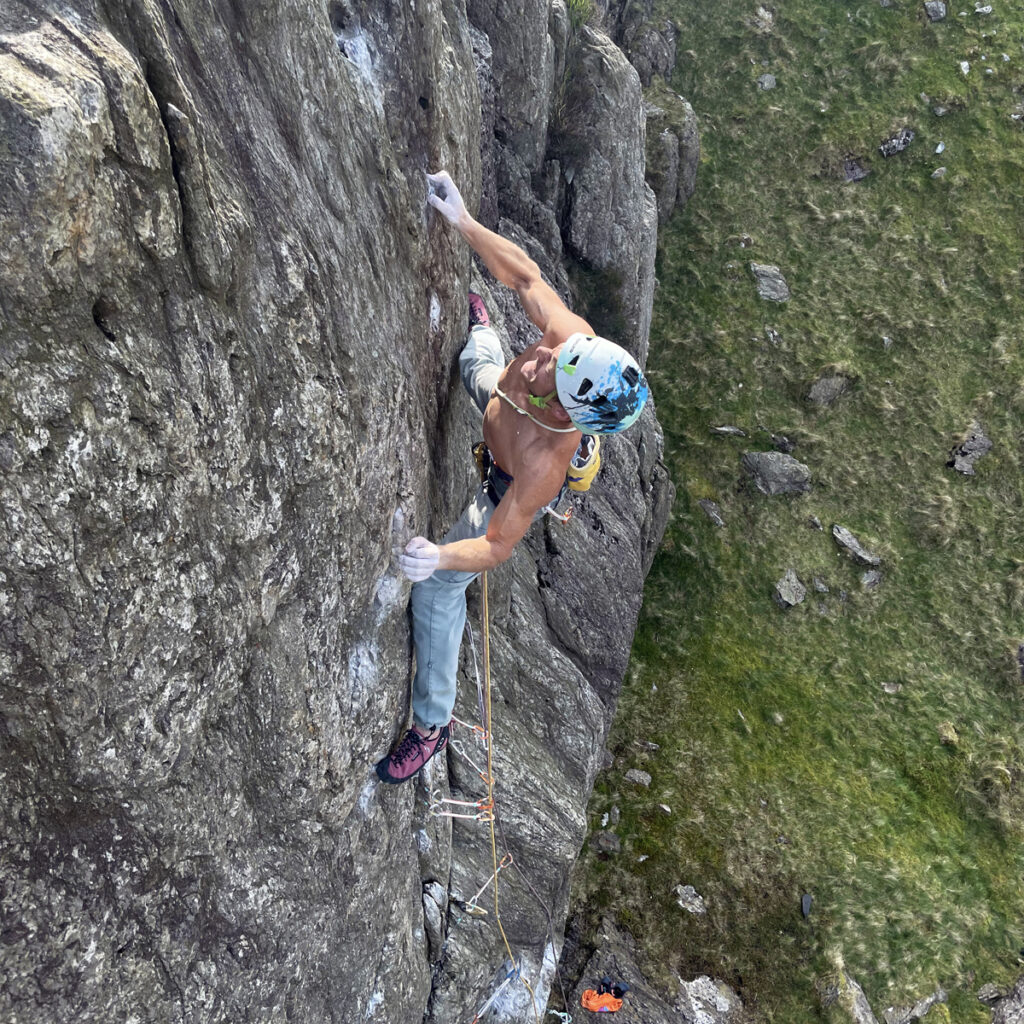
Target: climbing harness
525, 412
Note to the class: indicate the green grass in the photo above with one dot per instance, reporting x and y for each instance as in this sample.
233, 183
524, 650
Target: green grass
787, 766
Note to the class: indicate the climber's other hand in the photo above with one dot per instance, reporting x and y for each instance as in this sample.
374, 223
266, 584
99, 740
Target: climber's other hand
419, 559
445, 197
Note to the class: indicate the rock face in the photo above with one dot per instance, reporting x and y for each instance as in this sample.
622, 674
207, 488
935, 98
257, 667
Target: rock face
1010, 1009
228, 326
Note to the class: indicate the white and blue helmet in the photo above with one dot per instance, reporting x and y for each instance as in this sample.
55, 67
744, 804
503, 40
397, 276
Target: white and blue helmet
599, 384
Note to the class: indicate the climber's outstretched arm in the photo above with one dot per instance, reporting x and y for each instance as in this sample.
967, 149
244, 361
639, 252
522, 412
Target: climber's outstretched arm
506, 261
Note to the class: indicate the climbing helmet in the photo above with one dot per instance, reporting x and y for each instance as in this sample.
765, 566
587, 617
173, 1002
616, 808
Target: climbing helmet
599, 384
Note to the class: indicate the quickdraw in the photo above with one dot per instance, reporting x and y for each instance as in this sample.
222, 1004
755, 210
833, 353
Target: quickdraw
472, 907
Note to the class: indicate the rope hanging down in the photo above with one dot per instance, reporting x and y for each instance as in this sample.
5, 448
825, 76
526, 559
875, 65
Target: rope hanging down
483, 810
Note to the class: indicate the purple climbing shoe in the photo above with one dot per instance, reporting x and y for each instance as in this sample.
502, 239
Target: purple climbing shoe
477, 312
411, 755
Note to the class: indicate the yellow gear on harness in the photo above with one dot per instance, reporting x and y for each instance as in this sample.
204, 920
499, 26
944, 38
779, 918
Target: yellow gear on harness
585, 463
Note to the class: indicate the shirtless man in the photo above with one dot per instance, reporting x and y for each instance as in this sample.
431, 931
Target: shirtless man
536, 411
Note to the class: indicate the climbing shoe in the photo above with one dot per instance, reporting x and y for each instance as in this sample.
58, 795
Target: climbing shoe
477, 312
411, 755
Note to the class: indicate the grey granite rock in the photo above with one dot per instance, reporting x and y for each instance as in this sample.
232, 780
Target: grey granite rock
766, 82
771, 285
712, 511
606, 842
846, 540
1010, 1008
974, 446
673, 152
777, 473
897, 143
638, 777
689, 899
828, 389
854, 170
910, 1014
610, 213
847, 994
204, 641
789, 591
935, 9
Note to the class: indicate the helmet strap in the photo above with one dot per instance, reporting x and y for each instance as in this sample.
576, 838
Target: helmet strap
541, 401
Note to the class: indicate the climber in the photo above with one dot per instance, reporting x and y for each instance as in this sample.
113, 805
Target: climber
536, 411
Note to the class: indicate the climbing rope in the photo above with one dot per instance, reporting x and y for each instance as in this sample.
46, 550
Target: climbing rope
484, 810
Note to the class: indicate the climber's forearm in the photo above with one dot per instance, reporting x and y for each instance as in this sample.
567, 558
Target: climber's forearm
504, 259
478, 554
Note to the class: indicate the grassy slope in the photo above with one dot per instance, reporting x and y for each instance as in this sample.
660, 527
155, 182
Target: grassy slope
788, 768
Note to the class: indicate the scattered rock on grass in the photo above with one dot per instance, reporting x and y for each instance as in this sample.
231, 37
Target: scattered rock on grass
766, 82
789, 591
974, 446
777, 473
771, 284
850, 996
828, 389
871, 579
897, 143
909, 1014
689, 899
640, 778
846, 540
948, 734
854, 170
1020, 661
892, 688
606, 842
729, 431
712, 511
819, 584
935, 9
989, 993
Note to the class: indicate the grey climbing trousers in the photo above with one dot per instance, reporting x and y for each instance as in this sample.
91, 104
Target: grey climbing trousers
439, 602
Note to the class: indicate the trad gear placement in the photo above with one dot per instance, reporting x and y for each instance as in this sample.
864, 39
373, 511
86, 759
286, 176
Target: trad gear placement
542, 417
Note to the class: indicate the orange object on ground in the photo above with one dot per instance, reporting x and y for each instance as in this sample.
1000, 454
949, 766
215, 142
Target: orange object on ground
600, 1004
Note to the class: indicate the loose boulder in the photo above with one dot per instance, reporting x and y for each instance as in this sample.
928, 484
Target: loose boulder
846, 540
973, 447
789, 591
828, 389
777, 473
771, 285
